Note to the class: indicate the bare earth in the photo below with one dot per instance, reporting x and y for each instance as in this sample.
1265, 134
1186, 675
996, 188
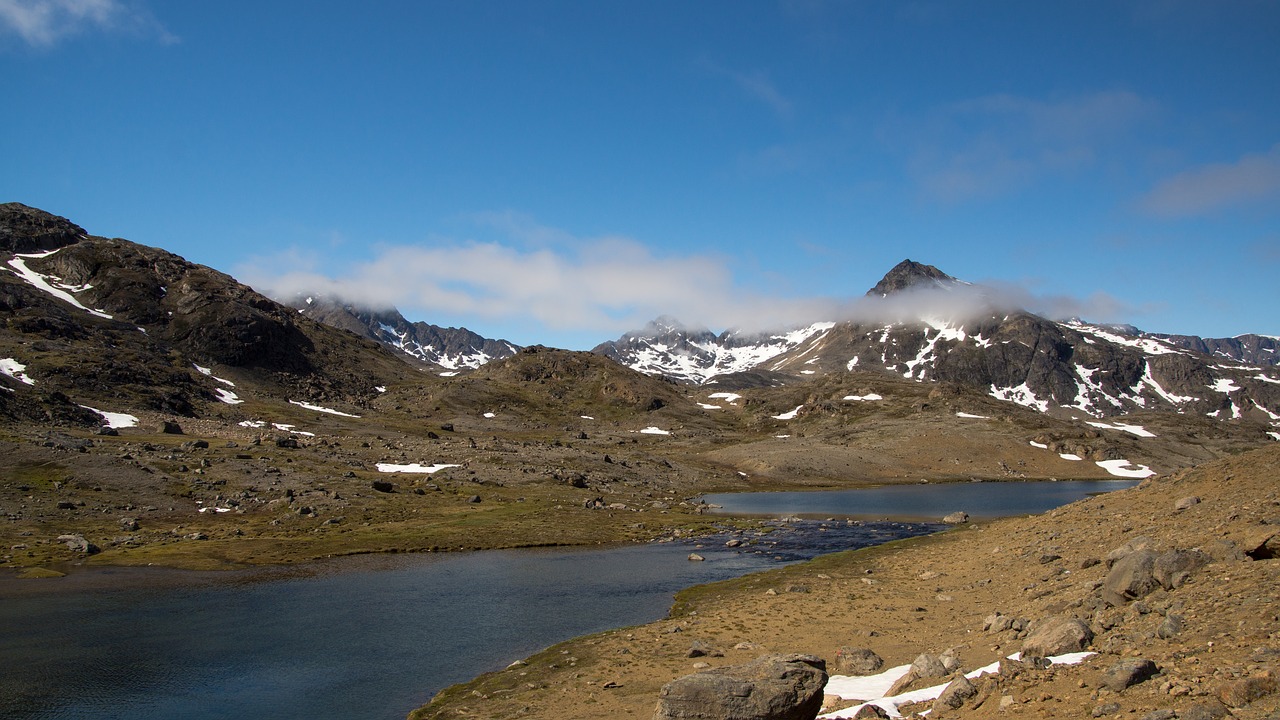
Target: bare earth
932, 594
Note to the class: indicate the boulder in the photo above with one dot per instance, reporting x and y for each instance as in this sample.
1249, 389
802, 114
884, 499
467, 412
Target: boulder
857, 661
1186, 503
929, 666
1057, 635
956, 518
955, 694
773, 687
1131, 577
1248, 689
1172, 568
77, 543
1141, 542
1127, 673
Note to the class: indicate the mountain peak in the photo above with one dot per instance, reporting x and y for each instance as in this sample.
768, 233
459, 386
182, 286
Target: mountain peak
25, 229
911, 274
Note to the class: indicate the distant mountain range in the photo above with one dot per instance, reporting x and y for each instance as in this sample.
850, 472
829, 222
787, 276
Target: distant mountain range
115, 318
1071, 367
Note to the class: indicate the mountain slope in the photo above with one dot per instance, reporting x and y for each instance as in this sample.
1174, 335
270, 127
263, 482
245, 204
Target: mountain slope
104, 319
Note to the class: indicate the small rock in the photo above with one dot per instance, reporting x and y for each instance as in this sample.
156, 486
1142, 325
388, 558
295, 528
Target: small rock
1171, 569
1186, 503
695, 557
1211, 710
871, 712
1169, 627
170, 427
1160, 715
956, 518
1246, 690
473, 499
382, 486
1127, 673
928, 666
1106, 709
1131, 577
77, 543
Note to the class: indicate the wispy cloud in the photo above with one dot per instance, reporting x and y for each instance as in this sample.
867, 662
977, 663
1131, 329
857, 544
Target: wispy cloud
42, 23
1251, 180
610, 285
757, 86
989, 146
604, 284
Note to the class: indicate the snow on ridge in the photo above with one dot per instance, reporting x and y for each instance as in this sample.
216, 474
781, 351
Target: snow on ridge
413, 468
788, 415
114, 419
1224, 385
1150, 346
1137, 430
864, 398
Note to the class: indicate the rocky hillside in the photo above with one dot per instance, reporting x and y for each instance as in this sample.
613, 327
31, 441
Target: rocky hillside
99, 320
446, 347
1072, 369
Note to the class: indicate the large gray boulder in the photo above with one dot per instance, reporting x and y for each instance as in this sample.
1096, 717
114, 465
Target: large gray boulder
1057, 635
773, 687
1130, 578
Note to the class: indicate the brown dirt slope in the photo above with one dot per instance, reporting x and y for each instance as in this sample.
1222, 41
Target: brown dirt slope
933, 594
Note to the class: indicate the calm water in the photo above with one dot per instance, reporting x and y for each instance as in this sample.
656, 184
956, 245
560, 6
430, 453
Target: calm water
375, 637
358, 638
923, 501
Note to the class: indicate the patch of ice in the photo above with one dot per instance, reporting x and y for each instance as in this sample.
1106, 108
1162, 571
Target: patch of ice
782, 437
1069, 456
380, 388
252, 423
227, 396
807, 372
449, 373
317, 408
49, 283
215, 509
972, 416
115, 420
705, 406
586, 417
1042, 446
788, 415
1122, 468
864, 398
651, 430
15, 370
413, 468
490, 415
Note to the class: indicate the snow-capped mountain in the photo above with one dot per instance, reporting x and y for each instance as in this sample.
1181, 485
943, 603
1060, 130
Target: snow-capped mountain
1069, 368
450, 348
667, 348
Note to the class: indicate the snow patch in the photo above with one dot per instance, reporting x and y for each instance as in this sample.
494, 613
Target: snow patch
852, 687
864, 398
1122, 468
788, 415
1132, 429
413, 468
317, 408
728, 397
705, 406
49, 283
227, 396
651, 430
972, 416
15, 370
1042, 446
1069, 456
1224, 385
1021, 395
115, 420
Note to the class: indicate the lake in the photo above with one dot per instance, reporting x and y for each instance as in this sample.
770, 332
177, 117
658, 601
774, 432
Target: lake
931, 501
365, 637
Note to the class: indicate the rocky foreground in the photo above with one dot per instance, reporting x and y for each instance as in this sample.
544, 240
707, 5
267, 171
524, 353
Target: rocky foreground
1172, 586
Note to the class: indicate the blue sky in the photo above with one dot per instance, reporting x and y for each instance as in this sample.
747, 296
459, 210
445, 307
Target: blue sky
561, 172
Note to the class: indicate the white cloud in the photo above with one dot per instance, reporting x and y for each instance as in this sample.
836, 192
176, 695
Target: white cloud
42, 23
606, 286
1253, 179
989, 146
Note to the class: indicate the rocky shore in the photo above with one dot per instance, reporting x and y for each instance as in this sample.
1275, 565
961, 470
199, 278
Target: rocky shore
1168, 591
